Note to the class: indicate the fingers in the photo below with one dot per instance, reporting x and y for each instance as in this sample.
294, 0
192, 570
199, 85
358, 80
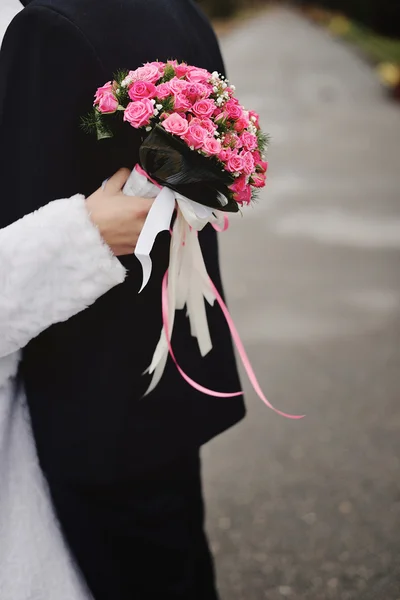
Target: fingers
117, 181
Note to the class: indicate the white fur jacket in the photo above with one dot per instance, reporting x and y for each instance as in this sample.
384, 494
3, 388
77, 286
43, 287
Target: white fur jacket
53, 264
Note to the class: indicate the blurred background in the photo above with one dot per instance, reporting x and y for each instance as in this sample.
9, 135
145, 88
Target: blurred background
380, 15
310, 510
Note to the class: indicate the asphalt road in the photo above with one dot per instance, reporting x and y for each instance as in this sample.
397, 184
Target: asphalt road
310, 510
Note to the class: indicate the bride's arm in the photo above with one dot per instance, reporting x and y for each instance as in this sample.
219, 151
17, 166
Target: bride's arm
55, 262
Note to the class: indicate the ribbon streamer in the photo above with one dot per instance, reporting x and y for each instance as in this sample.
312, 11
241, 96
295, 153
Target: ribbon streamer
239, 346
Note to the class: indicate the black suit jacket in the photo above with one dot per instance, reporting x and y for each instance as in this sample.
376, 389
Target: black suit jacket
83, 378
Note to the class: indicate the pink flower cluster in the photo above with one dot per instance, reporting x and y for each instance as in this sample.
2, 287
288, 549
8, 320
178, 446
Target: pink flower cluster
105, 99
198, 107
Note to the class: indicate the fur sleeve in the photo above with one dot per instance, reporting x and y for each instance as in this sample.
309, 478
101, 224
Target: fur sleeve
53, 264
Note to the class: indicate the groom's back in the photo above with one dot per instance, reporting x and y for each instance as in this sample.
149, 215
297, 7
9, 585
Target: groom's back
83, 378
137, 31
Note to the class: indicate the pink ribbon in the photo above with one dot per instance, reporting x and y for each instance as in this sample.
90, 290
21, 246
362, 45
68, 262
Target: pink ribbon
141, 171
188, 379
224, 227
240, 348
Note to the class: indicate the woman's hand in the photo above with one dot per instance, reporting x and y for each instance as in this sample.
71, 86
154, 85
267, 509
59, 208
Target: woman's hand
119, 218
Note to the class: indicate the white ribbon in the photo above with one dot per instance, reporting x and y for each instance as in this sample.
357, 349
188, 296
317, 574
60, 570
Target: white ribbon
188, 281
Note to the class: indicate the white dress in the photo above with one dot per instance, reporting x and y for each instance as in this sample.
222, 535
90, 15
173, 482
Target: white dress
53, 264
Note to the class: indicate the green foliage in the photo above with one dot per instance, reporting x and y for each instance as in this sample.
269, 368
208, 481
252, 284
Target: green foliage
94, 124
169, 74
168, 104
121, 91
378, 48
88, 123
383, 16
263, 140
121, 75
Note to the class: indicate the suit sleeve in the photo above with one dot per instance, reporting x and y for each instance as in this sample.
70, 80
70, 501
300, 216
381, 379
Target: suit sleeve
48, 76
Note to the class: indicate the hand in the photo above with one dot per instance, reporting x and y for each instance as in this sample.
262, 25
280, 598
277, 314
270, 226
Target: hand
119, 218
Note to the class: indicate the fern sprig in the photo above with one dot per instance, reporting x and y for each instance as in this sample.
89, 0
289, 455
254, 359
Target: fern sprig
263, 140
94, 124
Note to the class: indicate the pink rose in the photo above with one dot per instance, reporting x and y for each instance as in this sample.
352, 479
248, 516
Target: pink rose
239, 143
240, 184
163, 91
212, 146
245, 196
205, 123
180, 68
233, 109
106, 89
235, 163
182, 103
142, 89
231, 140
259, 180
225, 155
149, 72
248, 162
204, 108
219, 115
139, 113
209, 125
207, 87
197, 75
196, 91
241, 124
205, 90
249, 141
195, 136
261, 165
257, 157
177, 85
242, 190
192, 92
160, 66
176, 125
108, 103
254, 118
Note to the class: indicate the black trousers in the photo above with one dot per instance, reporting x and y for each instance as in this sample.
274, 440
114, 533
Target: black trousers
142, 540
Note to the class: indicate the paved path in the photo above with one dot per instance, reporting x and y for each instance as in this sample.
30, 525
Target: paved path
311, 510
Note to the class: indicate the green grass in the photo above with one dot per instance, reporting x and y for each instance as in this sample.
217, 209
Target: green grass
378, 48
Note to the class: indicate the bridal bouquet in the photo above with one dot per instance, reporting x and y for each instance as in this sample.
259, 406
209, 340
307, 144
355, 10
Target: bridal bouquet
202, 154
198, 139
